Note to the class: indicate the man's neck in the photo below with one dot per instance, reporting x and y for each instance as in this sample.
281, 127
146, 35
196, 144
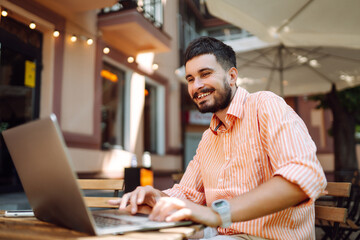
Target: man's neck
221, 114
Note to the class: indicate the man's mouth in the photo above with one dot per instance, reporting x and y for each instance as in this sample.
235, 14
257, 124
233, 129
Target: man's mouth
202, 95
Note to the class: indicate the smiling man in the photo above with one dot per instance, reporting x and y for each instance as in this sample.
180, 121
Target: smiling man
255, 174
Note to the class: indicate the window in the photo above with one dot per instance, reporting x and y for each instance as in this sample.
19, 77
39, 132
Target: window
154, 118
20, 70
112, 109
150, 128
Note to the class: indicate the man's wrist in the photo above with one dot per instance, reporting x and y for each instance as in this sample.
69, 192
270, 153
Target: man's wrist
218, 218
222, 208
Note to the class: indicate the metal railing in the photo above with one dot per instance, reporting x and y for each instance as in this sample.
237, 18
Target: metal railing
152, 10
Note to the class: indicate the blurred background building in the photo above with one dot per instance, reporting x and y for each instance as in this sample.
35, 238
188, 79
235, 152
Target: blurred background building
112, 72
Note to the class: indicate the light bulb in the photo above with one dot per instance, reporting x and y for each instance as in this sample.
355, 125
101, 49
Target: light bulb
56, 33
73, 38
32, 25
155, 66
89, 41
106, 50
130, 59
4, 13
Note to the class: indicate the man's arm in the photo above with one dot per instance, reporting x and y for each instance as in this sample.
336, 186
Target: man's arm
272, 196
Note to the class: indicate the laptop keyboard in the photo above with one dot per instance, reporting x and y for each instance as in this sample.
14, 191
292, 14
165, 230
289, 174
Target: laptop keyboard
105, 222
109, 219
114, 218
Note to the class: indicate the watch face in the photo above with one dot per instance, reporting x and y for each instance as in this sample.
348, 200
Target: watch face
219, 203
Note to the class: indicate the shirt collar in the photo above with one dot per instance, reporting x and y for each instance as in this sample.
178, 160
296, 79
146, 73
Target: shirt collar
235, 110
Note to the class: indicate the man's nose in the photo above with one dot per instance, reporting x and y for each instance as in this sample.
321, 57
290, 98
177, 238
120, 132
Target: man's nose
198, 83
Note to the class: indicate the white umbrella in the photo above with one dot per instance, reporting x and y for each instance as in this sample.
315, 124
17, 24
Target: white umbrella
331, 23
290, 71
311, 43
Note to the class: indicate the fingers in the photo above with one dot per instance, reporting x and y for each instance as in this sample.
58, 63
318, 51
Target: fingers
124, 200
134, 201
182, 214
141, 195
173, 209
131, 199
168, 206
115, 202
161, 210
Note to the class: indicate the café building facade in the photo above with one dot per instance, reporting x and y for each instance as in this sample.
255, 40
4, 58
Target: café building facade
105, 68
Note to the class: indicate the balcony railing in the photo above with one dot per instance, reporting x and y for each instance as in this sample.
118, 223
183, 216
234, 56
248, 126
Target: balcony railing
151, 9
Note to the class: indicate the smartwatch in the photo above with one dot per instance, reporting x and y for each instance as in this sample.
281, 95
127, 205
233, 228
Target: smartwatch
222, 207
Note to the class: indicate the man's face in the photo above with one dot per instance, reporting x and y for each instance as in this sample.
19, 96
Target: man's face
208, 84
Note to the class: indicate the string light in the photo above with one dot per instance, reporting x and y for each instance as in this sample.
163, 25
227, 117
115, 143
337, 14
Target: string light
155, 66
106, 50
302, 59
89, 41
73, 38
56, 33
32, 25
314, 63
130, 59
4, 12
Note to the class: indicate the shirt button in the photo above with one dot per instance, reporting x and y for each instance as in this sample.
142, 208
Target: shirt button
227, 134
227, 159
220, 180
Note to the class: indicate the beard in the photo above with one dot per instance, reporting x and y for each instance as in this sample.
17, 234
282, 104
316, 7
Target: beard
222, 99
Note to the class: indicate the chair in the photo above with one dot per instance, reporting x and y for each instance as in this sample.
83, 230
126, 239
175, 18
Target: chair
330, 210
353, 220
101, 184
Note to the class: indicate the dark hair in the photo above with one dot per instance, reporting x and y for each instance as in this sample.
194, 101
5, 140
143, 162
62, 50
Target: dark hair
224, 54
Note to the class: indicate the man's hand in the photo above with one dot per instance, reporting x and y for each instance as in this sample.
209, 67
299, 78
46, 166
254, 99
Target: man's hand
171, 209
142, 199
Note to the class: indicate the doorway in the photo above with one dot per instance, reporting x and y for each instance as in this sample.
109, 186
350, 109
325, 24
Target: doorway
20, 68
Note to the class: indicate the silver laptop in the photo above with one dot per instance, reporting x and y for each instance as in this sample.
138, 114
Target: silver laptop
43, 164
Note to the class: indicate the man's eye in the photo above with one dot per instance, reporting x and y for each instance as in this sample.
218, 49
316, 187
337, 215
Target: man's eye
190, 80
205, 74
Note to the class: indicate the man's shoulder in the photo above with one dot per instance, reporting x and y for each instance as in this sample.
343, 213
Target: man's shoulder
261, 97
207, 132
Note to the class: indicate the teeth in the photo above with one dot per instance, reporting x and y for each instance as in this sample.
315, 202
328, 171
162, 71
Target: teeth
203, 95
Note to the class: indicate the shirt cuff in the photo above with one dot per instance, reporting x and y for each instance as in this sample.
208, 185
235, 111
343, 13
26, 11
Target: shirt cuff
311, 180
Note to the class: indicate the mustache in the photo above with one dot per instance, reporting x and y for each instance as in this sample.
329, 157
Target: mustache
204, 90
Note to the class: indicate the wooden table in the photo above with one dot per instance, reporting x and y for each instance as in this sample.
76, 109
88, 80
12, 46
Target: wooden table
31, 228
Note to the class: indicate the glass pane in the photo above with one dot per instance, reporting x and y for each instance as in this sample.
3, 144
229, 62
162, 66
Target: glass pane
20, 58
150, 117
112, 109
16, 88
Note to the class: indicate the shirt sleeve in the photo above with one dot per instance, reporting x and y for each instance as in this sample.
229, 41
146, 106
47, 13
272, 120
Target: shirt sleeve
191, 185
291, 151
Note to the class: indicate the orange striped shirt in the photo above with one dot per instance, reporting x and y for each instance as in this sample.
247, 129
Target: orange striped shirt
265, 138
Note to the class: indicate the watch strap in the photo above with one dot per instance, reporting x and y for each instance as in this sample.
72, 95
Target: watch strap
222, 207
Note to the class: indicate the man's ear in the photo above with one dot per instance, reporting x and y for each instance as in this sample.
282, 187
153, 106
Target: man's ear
233, 73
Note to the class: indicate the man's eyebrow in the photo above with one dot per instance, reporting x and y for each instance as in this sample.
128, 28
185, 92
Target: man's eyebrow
187, 76
205, 69
199, 71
